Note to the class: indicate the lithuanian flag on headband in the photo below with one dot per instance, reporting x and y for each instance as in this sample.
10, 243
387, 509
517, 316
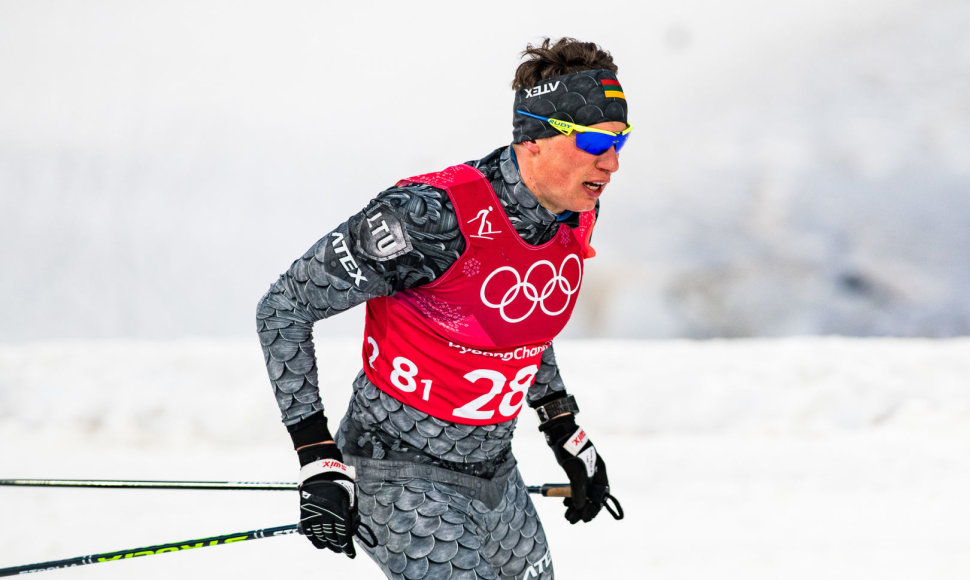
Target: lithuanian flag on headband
612, 88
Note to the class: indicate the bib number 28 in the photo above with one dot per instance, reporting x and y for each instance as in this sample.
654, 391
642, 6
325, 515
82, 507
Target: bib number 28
483, 407
404, 377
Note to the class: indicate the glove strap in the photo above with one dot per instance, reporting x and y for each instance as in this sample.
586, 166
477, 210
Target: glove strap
327, 466
556, 407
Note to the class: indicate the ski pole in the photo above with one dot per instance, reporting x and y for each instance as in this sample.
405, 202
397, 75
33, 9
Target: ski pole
136, 484
149, 550
546, 489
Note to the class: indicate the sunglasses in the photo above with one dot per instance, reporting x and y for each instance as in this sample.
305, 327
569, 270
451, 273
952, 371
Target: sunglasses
590, 140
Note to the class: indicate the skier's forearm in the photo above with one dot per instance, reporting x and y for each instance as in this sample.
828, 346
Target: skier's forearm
548, 384
292, 369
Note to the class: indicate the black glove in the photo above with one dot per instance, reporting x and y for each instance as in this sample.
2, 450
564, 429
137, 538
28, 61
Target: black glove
584, 467
328, 496
328, 504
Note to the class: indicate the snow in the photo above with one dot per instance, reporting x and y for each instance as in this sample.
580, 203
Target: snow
792, 458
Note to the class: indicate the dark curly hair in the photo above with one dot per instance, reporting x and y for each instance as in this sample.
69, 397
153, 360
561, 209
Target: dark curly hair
565, 56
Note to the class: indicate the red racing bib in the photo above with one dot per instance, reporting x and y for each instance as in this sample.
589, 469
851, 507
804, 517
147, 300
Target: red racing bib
467, 347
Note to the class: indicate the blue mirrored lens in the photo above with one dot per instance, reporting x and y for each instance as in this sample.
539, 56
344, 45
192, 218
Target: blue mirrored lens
597, 143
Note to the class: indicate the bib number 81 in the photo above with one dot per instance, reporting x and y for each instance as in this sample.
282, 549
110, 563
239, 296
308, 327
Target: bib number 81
478, 408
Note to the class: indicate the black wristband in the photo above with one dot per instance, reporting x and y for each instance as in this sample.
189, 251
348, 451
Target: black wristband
551, 409
309, 430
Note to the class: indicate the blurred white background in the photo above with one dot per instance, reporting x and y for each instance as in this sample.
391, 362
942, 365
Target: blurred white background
798, 167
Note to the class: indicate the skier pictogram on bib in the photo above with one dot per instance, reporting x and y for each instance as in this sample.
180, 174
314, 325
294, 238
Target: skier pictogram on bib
485, 229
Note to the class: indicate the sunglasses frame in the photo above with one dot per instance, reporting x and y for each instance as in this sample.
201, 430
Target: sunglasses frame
566, 128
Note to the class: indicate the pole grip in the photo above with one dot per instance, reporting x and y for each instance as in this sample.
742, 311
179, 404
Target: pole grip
556, 490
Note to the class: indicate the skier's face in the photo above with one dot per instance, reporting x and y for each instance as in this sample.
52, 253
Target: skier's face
564, 177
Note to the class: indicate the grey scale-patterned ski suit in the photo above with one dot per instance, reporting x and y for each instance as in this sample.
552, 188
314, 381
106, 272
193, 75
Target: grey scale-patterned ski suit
445, 500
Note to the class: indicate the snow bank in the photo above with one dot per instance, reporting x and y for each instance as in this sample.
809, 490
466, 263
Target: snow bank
215, 393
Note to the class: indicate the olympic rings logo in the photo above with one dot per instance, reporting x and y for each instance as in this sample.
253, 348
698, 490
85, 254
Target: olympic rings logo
525, 287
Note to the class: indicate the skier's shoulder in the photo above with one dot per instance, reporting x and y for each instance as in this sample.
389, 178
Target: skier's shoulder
410, 209
423, 207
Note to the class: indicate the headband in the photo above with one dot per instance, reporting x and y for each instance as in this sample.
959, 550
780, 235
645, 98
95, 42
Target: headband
586, 98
